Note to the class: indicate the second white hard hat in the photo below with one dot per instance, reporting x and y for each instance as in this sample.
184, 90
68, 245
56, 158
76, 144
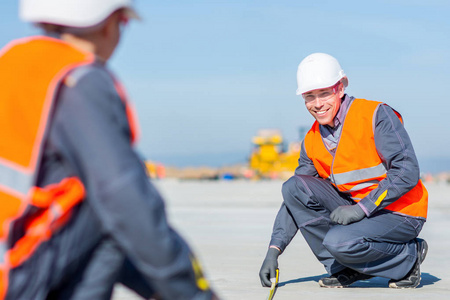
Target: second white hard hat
318, 71
72, 13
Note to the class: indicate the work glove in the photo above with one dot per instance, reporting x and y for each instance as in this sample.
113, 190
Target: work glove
347, 214
269, 266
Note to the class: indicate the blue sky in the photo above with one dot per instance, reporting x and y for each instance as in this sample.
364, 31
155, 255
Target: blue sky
206, 75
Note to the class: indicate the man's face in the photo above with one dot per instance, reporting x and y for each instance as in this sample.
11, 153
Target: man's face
323, 104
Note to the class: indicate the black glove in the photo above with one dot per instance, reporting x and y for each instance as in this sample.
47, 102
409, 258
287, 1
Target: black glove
269, 266
347, 214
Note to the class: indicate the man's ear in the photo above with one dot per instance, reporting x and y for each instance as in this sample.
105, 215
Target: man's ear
341, 90
109, 28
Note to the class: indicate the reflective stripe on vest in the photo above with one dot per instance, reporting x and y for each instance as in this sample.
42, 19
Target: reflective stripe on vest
361, 174
364, 185
356, 167
17, 181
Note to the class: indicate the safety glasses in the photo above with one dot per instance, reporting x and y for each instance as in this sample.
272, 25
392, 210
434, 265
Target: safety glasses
324, 95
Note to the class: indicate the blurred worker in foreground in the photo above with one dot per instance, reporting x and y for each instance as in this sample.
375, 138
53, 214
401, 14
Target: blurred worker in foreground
356, 196
78, 213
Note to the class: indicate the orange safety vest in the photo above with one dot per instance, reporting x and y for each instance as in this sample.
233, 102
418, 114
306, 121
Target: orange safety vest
356, 168
32, 70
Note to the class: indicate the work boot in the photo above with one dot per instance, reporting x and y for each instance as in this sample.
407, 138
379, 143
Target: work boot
343, 278
412, 279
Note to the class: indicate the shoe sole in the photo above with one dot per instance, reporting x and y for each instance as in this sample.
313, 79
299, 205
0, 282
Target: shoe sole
342, 286
393, 285
422, 253
331, 286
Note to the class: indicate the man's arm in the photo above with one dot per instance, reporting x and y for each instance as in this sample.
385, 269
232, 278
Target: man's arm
93, 133
284, 229
305, 164
395, 148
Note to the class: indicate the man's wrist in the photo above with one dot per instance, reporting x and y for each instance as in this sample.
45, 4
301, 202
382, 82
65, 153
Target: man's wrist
275, 247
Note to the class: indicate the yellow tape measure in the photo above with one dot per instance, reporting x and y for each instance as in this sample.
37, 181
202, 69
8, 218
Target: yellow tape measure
273, 287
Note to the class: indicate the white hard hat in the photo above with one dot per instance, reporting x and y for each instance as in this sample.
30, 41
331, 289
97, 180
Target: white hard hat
72, 13
318, 71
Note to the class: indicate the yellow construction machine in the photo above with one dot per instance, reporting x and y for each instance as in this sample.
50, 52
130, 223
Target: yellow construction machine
155, 170
269, 159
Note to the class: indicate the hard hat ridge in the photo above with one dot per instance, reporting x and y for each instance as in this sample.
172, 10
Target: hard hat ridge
317, 71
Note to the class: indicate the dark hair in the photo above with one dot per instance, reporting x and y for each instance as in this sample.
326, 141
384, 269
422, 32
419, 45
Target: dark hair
51, 28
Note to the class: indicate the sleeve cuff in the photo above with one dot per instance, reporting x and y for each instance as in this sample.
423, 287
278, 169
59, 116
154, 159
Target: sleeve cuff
278, 244
367, 206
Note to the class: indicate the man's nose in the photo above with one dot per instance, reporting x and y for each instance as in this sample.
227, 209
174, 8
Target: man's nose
317, 101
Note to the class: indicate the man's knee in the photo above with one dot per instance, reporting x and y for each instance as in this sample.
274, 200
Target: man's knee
292, 187
343, 247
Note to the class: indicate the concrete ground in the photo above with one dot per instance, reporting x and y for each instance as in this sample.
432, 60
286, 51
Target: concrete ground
228, 224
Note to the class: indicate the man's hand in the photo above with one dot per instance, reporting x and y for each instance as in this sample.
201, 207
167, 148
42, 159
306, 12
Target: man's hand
347, 214
269, 266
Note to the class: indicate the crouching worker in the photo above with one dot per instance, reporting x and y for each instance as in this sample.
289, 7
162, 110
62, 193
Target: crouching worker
356, 196
77, 211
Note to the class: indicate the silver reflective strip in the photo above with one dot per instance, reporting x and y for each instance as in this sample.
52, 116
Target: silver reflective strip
3, 251
56, 211
361, 174
15, 180
362, 186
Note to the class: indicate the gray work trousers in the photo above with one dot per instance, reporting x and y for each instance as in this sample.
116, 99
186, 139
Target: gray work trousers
79, 262
380, 245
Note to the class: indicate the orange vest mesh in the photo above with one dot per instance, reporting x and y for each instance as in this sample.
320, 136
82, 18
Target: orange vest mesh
356, 167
